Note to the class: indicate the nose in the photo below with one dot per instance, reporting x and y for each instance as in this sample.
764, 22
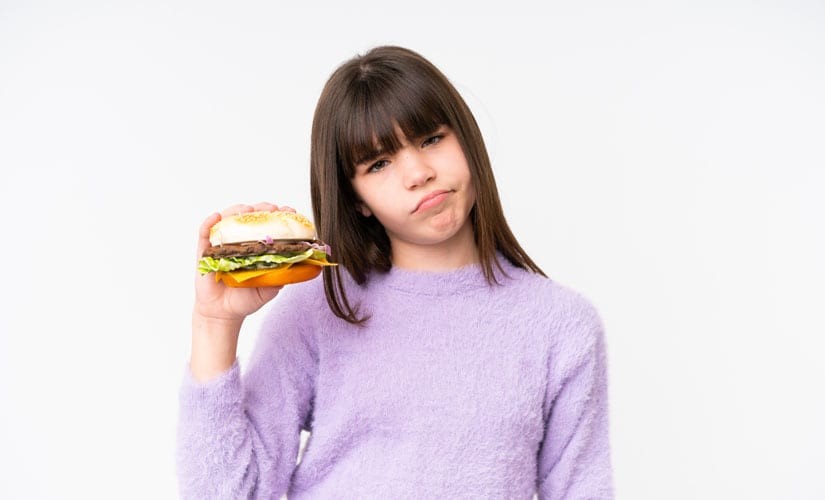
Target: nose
417, 170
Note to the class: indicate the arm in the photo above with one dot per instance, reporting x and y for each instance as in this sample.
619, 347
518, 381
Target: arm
233, 435
574, 458
239, 436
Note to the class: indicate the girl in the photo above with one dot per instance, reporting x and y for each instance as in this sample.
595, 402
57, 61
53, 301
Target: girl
436, 361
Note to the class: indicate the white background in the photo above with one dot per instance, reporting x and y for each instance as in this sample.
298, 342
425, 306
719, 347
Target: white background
665, 159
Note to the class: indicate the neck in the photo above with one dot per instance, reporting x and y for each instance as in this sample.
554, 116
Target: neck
458, 251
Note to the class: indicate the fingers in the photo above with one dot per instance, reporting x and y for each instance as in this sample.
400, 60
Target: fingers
203, 233
207, 224
269, 207
265, 207
237, 209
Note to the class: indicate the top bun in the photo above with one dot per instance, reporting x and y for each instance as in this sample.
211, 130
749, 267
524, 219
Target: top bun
258, 226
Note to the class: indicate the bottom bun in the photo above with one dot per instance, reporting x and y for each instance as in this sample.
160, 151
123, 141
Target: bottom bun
276, 277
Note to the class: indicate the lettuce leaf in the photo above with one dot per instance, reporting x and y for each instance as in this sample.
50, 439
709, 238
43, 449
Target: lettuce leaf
225, 264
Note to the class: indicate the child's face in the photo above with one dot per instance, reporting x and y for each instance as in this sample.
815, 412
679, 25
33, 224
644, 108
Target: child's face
422, 194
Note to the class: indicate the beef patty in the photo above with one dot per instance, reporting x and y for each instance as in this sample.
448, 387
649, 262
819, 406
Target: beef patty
256, 248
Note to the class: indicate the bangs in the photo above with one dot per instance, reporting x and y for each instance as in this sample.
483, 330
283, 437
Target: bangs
376, 110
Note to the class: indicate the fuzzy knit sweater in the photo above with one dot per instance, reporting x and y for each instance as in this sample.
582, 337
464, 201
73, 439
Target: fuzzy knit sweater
455, 389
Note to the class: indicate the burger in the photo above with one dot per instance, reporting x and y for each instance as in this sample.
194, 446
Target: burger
258, 249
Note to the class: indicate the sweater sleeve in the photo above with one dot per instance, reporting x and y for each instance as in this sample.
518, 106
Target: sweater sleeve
238, 437
574, 458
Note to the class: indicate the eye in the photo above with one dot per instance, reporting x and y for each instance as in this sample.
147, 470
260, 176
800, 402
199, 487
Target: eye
432, 140
377, 166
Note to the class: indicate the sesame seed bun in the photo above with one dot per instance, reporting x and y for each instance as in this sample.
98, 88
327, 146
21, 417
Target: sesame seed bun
257, 226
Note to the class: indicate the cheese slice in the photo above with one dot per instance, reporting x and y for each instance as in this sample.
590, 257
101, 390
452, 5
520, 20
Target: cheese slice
321, 263
241, 276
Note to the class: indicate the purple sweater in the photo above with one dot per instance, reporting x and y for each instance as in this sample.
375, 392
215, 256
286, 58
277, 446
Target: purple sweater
455, 389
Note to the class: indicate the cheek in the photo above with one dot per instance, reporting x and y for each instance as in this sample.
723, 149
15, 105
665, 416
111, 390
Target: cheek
460, 167
466, 178
471, 192
375, 202
364, 195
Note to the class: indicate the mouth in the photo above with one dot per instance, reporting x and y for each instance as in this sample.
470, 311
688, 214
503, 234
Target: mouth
431, 200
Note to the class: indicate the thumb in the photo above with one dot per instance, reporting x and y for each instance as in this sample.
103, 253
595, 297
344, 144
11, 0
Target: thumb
268, 293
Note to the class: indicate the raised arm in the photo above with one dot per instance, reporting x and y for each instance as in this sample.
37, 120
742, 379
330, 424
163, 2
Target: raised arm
239, 438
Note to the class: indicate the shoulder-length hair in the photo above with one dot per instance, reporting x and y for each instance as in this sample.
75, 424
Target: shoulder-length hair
363, 102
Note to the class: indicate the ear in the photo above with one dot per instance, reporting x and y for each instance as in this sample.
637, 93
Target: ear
365, 211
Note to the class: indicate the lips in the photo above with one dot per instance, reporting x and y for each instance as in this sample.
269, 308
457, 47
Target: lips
431, 199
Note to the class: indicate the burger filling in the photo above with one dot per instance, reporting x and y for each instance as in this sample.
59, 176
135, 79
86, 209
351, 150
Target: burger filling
262, 255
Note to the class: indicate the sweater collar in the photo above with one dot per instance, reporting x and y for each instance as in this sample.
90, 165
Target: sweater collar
448, 282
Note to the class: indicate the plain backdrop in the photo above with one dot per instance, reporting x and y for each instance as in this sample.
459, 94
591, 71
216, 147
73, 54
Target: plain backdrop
664, 159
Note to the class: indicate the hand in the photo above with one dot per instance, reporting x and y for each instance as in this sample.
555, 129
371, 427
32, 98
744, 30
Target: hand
220, 310
214, 301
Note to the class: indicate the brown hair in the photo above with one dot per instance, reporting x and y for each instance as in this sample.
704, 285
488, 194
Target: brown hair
363, 102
